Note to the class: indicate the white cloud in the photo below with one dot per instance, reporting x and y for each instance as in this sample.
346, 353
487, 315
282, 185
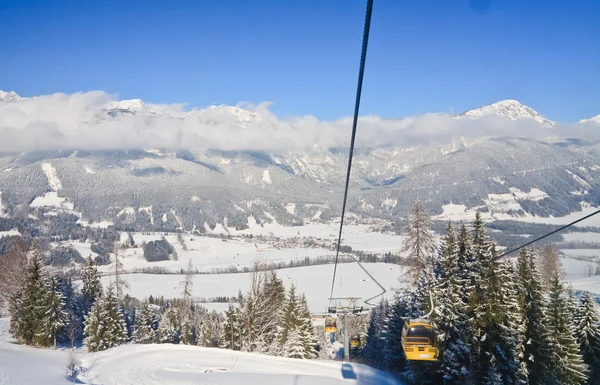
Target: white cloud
80, 121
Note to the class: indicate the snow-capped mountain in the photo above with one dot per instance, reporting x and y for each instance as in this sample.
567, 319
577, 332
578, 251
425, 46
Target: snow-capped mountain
9, 97
595, 120
186, 188
510, 110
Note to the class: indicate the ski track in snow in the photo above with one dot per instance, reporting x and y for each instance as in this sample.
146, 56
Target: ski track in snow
179, 364
53, 180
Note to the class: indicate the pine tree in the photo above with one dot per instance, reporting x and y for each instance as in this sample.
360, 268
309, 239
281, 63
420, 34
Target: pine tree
94, 327
27, 321
291, 319
392, 334
419, 243
169, 331
146, 325
496, 312
373, 353
537, 354
451, 315
73, 330
116, 331
105, 327
307, 330
587, 333
92, 287
231, 331
568, 365
293, 347
262, 311
55, 316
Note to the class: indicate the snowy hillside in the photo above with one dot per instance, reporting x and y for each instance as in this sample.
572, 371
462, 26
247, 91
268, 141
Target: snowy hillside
177, 364
154, 188
594, 120
511, 110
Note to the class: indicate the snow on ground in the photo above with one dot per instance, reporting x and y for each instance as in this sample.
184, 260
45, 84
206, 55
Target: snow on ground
500, 204
209, 253
178, 364
575, 269
454, 212
53, 180
591, 284
89, 170
291, 208
314, 281
581, 252
27, 365
589, 237
9, 233
84, 248
51, 199
357, 236
98, 225
266, 178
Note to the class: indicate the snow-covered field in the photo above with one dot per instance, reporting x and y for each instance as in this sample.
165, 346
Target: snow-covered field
207, 253
314, 281
172, 364
499, 205
176, 364
589, 237
211, 253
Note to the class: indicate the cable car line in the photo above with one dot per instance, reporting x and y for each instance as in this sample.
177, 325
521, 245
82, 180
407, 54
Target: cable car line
547, 235
361, 72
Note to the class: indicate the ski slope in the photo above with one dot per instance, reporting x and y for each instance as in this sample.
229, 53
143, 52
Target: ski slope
179, 364
175, 364
27, 365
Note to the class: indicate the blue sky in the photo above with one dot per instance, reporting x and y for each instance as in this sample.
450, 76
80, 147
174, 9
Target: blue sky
424, 55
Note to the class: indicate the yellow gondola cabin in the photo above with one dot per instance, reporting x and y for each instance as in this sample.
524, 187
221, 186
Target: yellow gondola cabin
355, 340
419, 340
330, 325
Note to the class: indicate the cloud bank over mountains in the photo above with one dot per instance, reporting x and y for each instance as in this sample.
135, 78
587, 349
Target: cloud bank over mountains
95, 121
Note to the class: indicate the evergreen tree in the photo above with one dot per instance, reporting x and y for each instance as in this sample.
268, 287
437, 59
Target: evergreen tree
105, 327
373, 353
114, 321
73, 330
92, 287
55, 316
231, 331
169, 331
537, 354
146, 325
568, 365
392, 334
291, 318
94, 327
28, 320
262, 311
496, 313
419, 243
451, 314
588, 336
307, 330
293, 347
